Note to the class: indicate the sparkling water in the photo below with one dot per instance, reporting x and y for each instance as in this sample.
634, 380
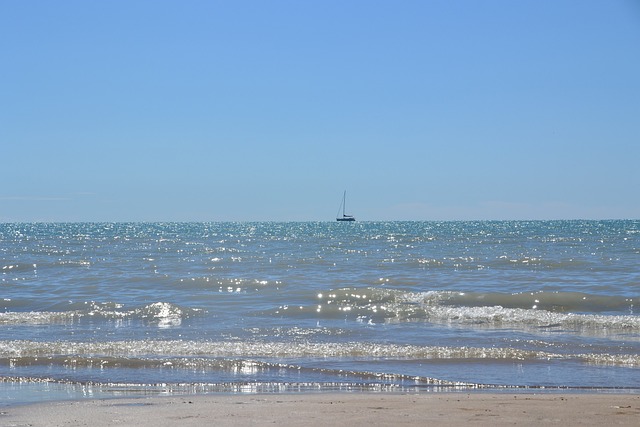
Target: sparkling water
105, 309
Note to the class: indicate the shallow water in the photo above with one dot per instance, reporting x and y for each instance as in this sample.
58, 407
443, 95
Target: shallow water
106, 309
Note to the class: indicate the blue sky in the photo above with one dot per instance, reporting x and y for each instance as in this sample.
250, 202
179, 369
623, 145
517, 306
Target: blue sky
268, 110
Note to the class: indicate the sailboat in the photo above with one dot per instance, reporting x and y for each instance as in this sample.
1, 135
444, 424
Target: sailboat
343, 207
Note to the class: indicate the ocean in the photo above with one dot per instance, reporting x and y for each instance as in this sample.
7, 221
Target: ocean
129, 309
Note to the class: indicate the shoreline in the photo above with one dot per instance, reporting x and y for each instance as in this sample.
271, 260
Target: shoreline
17, 393
353, 409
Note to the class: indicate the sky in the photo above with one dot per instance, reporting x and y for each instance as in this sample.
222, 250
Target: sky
258, 110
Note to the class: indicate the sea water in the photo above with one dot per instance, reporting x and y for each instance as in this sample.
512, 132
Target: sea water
112, 309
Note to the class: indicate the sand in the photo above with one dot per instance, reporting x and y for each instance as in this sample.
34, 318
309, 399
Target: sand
340, 409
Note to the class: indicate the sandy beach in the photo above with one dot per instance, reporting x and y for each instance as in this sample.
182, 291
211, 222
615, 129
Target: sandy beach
362, 409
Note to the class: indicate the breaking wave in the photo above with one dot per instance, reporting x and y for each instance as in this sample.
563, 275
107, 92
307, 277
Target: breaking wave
203, 354
162, 314
547, 310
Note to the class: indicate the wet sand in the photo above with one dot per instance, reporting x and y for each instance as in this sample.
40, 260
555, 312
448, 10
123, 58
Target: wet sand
361, 409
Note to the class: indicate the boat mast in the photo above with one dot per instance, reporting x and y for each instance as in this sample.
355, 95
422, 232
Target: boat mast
344, 203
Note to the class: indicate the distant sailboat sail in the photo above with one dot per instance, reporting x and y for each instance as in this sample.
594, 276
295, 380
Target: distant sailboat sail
343, 207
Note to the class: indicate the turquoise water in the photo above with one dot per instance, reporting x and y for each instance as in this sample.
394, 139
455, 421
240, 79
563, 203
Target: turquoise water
108, 309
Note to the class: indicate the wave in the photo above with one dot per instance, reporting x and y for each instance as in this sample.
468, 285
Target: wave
550, 301
213, 354
570, 312
162, 314
546, 310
